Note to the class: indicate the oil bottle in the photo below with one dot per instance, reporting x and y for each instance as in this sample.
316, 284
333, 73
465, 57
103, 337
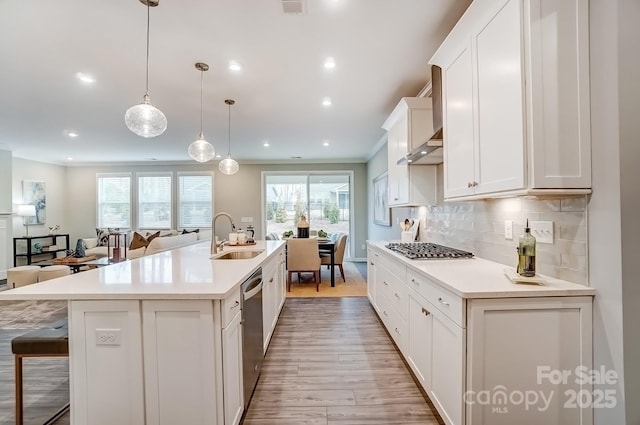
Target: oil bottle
527, 253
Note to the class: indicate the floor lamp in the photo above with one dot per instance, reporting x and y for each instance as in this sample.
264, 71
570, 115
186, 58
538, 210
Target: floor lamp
26, 211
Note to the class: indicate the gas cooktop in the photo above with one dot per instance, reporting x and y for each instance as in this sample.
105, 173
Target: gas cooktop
427, 251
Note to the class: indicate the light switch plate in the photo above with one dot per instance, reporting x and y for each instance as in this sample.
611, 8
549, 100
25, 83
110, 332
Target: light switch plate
542, 231
508, 229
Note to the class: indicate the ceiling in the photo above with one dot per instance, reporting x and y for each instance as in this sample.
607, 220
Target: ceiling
381, 49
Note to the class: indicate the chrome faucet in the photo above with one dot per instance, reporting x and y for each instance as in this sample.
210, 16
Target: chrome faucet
214, 245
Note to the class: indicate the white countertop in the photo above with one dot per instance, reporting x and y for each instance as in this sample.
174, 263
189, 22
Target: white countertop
480, 278
182, 273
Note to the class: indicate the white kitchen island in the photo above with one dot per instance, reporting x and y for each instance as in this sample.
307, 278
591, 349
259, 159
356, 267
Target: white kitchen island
157, 340
486, 350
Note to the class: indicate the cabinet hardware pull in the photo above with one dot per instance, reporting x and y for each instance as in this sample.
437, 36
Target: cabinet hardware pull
270, 280
425, 311
371, 264
385, 282
236, 304
415, 281
469, 184
442, 301
396, 294
475, 184
385, 313
396, 329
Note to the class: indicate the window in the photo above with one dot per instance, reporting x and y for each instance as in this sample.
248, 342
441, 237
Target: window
324, 198
194, 201
154, 201
114, 201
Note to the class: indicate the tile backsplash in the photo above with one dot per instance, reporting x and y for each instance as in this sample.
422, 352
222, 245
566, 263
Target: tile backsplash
478, 226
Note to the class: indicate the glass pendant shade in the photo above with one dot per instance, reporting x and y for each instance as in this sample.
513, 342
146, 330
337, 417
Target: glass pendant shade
201, 150
228, 166
145, 120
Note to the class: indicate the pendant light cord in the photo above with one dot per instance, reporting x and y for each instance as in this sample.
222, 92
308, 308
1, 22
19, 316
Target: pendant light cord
201, 78
148, 21
229, 151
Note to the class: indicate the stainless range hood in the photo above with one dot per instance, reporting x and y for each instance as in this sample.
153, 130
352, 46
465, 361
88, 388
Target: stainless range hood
430, 152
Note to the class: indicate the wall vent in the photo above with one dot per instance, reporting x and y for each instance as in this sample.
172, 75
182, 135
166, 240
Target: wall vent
294, 7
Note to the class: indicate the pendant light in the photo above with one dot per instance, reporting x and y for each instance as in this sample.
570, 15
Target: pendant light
228, 165
201, 150
145, 119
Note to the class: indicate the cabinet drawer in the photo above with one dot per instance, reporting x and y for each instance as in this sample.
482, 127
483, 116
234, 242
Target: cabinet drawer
396, 291
230, 307
397, 327
448, 303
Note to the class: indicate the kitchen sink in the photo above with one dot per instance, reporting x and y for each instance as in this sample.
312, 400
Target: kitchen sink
238, 255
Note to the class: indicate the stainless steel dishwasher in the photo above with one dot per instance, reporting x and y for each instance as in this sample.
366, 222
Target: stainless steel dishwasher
252, 355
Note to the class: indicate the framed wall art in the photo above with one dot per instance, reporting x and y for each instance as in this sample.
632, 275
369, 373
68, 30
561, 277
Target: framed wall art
381, 210
35, 193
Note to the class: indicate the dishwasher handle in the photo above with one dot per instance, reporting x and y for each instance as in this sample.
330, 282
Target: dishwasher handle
252, 285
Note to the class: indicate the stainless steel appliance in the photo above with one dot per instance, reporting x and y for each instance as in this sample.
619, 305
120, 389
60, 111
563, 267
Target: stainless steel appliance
252, 354
427, 251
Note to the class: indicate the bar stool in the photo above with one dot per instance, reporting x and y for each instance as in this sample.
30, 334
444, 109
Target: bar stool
22, 275
52, 272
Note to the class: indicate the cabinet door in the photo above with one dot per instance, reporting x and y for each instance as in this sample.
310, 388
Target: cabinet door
520, 344
420, 340
398, 173
457, 102
372, 259
500, 102
232, 371
268, 309
179, 366
448, 368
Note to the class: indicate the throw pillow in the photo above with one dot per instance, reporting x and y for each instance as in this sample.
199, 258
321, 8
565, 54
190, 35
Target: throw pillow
103, 236
153, 236
138, 241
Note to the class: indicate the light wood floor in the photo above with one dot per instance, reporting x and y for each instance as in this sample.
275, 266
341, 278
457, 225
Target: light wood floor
331, 362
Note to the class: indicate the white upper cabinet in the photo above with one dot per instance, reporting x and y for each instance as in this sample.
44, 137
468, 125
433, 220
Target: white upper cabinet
516, 99
408, 126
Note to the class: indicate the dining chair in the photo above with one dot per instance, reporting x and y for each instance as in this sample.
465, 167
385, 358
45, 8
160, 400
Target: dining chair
338, 255
303, 257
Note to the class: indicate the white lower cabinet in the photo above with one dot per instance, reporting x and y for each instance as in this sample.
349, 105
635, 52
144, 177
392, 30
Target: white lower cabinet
536, 348
472, 355
179, 366
372, 260
448, 356
273, 296
232, 371
420, 340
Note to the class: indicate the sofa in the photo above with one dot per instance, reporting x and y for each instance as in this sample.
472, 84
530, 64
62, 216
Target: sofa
166, 240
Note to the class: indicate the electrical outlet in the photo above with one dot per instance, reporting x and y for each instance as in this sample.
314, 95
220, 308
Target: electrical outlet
508, 229
542, 231
108, 336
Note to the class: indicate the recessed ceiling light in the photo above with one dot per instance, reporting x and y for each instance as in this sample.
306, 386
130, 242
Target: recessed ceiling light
266, 144
234, 65
325, 143
326, 102
71, 133
69, 158
85, 78
329, 63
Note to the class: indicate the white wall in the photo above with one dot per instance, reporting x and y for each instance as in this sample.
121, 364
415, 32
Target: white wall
613, 210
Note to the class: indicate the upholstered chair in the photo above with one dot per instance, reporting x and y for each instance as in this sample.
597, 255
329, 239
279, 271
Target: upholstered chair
303, 257
338, 255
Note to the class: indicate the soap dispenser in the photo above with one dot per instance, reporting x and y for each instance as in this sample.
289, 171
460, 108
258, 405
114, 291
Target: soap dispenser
527, 253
